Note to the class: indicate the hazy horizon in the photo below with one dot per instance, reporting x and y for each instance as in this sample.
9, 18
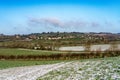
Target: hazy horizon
36, 16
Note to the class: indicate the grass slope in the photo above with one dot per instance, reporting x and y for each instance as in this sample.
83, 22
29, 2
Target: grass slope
26, 52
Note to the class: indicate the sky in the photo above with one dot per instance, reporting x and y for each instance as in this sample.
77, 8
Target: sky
36, 16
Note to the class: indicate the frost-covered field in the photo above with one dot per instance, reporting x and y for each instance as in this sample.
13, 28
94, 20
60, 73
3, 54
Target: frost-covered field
98, 69
28, 72
89, 69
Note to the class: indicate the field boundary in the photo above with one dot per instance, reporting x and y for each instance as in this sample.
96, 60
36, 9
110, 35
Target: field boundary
61, 56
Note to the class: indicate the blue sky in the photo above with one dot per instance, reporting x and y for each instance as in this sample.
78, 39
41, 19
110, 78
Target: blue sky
34, 16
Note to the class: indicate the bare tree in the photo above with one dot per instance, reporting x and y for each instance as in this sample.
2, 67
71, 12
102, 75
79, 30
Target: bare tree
87, 46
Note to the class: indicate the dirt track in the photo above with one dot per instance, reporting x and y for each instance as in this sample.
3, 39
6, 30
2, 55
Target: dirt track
28, 72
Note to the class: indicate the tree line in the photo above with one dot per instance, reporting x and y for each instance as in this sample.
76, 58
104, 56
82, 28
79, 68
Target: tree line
61, 56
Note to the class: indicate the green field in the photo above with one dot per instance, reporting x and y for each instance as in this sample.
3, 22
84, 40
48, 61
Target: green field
9, 51
28, 62
18, 63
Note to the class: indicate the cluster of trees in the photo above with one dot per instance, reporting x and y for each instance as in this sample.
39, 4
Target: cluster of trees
17, 44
